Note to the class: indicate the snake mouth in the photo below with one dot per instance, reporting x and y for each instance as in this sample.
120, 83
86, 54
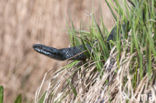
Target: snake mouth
42, 49
48, 51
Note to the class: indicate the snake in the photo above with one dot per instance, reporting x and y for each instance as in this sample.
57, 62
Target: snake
71, 53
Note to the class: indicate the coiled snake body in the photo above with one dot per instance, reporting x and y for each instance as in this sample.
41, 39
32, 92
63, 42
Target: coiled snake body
72, 53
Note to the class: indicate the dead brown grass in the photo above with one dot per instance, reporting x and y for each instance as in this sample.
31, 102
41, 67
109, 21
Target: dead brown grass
25, 22
84, 84
120, 83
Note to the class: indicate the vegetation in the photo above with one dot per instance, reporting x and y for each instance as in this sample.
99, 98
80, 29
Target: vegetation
17, 100
123, 71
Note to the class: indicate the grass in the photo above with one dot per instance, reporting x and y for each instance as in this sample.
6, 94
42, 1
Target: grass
123, 71
1, 94
17, 100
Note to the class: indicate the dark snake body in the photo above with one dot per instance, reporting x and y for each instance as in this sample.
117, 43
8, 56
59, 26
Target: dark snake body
72, 53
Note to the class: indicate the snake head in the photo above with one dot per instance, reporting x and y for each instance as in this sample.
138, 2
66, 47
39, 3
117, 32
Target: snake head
49, 51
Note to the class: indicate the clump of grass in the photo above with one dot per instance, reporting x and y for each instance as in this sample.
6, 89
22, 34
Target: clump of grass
121, 70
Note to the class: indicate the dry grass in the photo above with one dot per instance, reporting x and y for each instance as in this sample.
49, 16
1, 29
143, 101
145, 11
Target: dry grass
25, 22
127, 76
85, 85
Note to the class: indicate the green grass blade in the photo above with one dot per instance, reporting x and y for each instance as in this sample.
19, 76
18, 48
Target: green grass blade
111, 10
18, 99
72, 87
42, 98
1, 94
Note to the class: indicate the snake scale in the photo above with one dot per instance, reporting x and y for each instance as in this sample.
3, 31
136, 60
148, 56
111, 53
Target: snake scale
71, 53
